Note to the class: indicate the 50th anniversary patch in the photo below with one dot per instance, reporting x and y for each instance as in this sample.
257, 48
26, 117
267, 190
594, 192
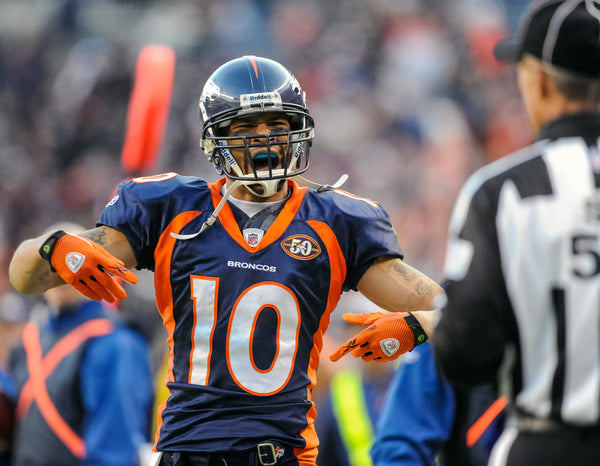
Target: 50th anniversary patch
301, 247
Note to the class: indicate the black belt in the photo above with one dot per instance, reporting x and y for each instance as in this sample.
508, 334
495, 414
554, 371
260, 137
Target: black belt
267, 453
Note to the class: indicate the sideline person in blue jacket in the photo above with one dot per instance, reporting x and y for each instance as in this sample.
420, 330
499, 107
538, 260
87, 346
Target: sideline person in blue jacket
427, 422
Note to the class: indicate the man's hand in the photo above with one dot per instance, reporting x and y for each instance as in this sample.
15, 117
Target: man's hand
86, 266
387, 336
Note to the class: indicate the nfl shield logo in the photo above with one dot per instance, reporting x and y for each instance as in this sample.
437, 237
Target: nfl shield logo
252, 239
253, 236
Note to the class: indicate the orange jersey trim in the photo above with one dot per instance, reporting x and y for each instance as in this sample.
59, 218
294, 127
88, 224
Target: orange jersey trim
163, 292
338, 274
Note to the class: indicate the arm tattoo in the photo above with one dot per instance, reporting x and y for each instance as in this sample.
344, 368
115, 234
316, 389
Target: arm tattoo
97, 235
44, 277
423, 285
424, 288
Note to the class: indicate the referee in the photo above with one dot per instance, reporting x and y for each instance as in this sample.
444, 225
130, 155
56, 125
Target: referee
523, 259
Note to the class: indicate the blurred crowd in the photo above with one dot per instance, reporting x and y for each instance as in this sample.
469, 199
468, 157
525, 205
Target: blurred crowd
406, 96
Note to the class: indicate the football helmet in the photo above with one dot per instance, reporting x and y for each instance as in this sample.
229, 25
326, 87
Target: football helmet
248, 86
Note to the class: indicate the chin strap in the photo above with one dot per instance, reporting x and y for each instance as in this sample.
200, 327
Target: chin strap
214, 215
301, 180
318, 186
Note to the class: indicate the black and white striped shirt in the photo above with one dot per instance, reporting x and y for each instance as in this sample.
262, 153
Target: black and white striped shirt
523, 271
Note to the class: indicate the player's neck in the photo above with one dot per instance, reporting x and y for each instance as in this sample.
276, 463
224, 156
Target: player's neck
250, 206
244, 194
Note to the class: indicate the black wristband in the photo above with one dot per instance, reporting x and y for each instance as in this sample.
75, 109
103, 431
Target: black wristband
418, 332
48, 246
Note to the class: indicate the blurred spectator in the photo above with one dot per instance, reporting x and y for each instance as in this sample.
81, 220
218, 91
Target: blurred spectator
84, 384
13, 316
427, 422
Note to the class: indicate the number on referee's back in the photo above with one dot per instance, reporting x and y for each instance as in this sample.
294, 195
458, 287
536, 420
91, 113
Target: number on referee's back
584, 248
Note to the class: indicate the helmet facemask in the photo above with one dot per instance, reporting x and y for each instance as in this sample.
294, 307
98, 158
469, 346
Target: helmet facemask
268, 159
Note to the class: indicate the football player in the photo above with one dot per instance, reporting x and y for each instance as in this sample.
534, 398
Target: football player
247, 272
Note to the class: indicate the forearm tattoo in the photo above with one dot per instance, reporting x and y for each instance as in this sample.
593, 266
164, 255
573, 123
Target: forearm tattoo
44, 277
97, 235
423, 285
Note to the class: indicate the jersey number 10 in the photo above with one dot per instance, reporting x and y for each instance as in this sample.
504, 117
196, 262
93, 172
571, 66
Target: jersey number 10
240, 332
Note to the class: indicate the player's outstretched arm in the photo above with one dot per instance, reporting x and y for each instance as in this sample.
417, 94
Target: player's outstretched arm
87, 261
395, 286
399, 288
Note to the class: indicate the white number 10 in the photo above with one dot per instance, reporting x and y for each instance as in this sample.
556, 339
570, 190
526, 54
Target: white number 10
240, 334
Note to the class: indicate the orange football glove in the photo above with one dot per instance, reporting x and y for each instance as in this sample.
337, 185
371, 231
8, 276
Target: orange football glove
387, 336
86, 266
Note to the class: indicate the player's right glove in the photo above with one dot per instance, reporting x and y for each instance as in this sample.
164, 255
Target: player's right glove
387, 336
86, 266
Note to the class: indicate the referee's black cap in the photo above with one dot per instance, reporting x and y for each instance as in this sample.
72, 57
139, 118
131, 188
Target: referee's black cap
563, 33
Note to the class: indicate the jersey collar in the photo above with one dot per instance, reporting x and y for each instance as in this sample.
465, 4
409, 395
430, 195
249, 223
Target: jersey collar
278, 227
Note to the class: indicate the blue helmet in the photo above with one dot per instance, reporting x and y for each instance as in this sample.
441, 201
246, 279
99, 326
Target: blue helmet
247, 86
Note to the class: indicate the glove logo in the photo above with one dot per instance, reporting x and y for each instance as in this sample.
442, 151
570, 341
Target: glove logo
389, 346
74, 261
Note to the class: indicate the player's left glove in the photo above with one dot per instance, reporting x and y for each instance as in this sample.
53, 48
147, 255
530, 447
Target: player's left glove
387, 336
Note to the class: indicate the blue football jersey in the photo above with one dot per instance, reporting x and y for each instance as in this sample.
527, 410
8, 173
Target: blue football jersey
245, 322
